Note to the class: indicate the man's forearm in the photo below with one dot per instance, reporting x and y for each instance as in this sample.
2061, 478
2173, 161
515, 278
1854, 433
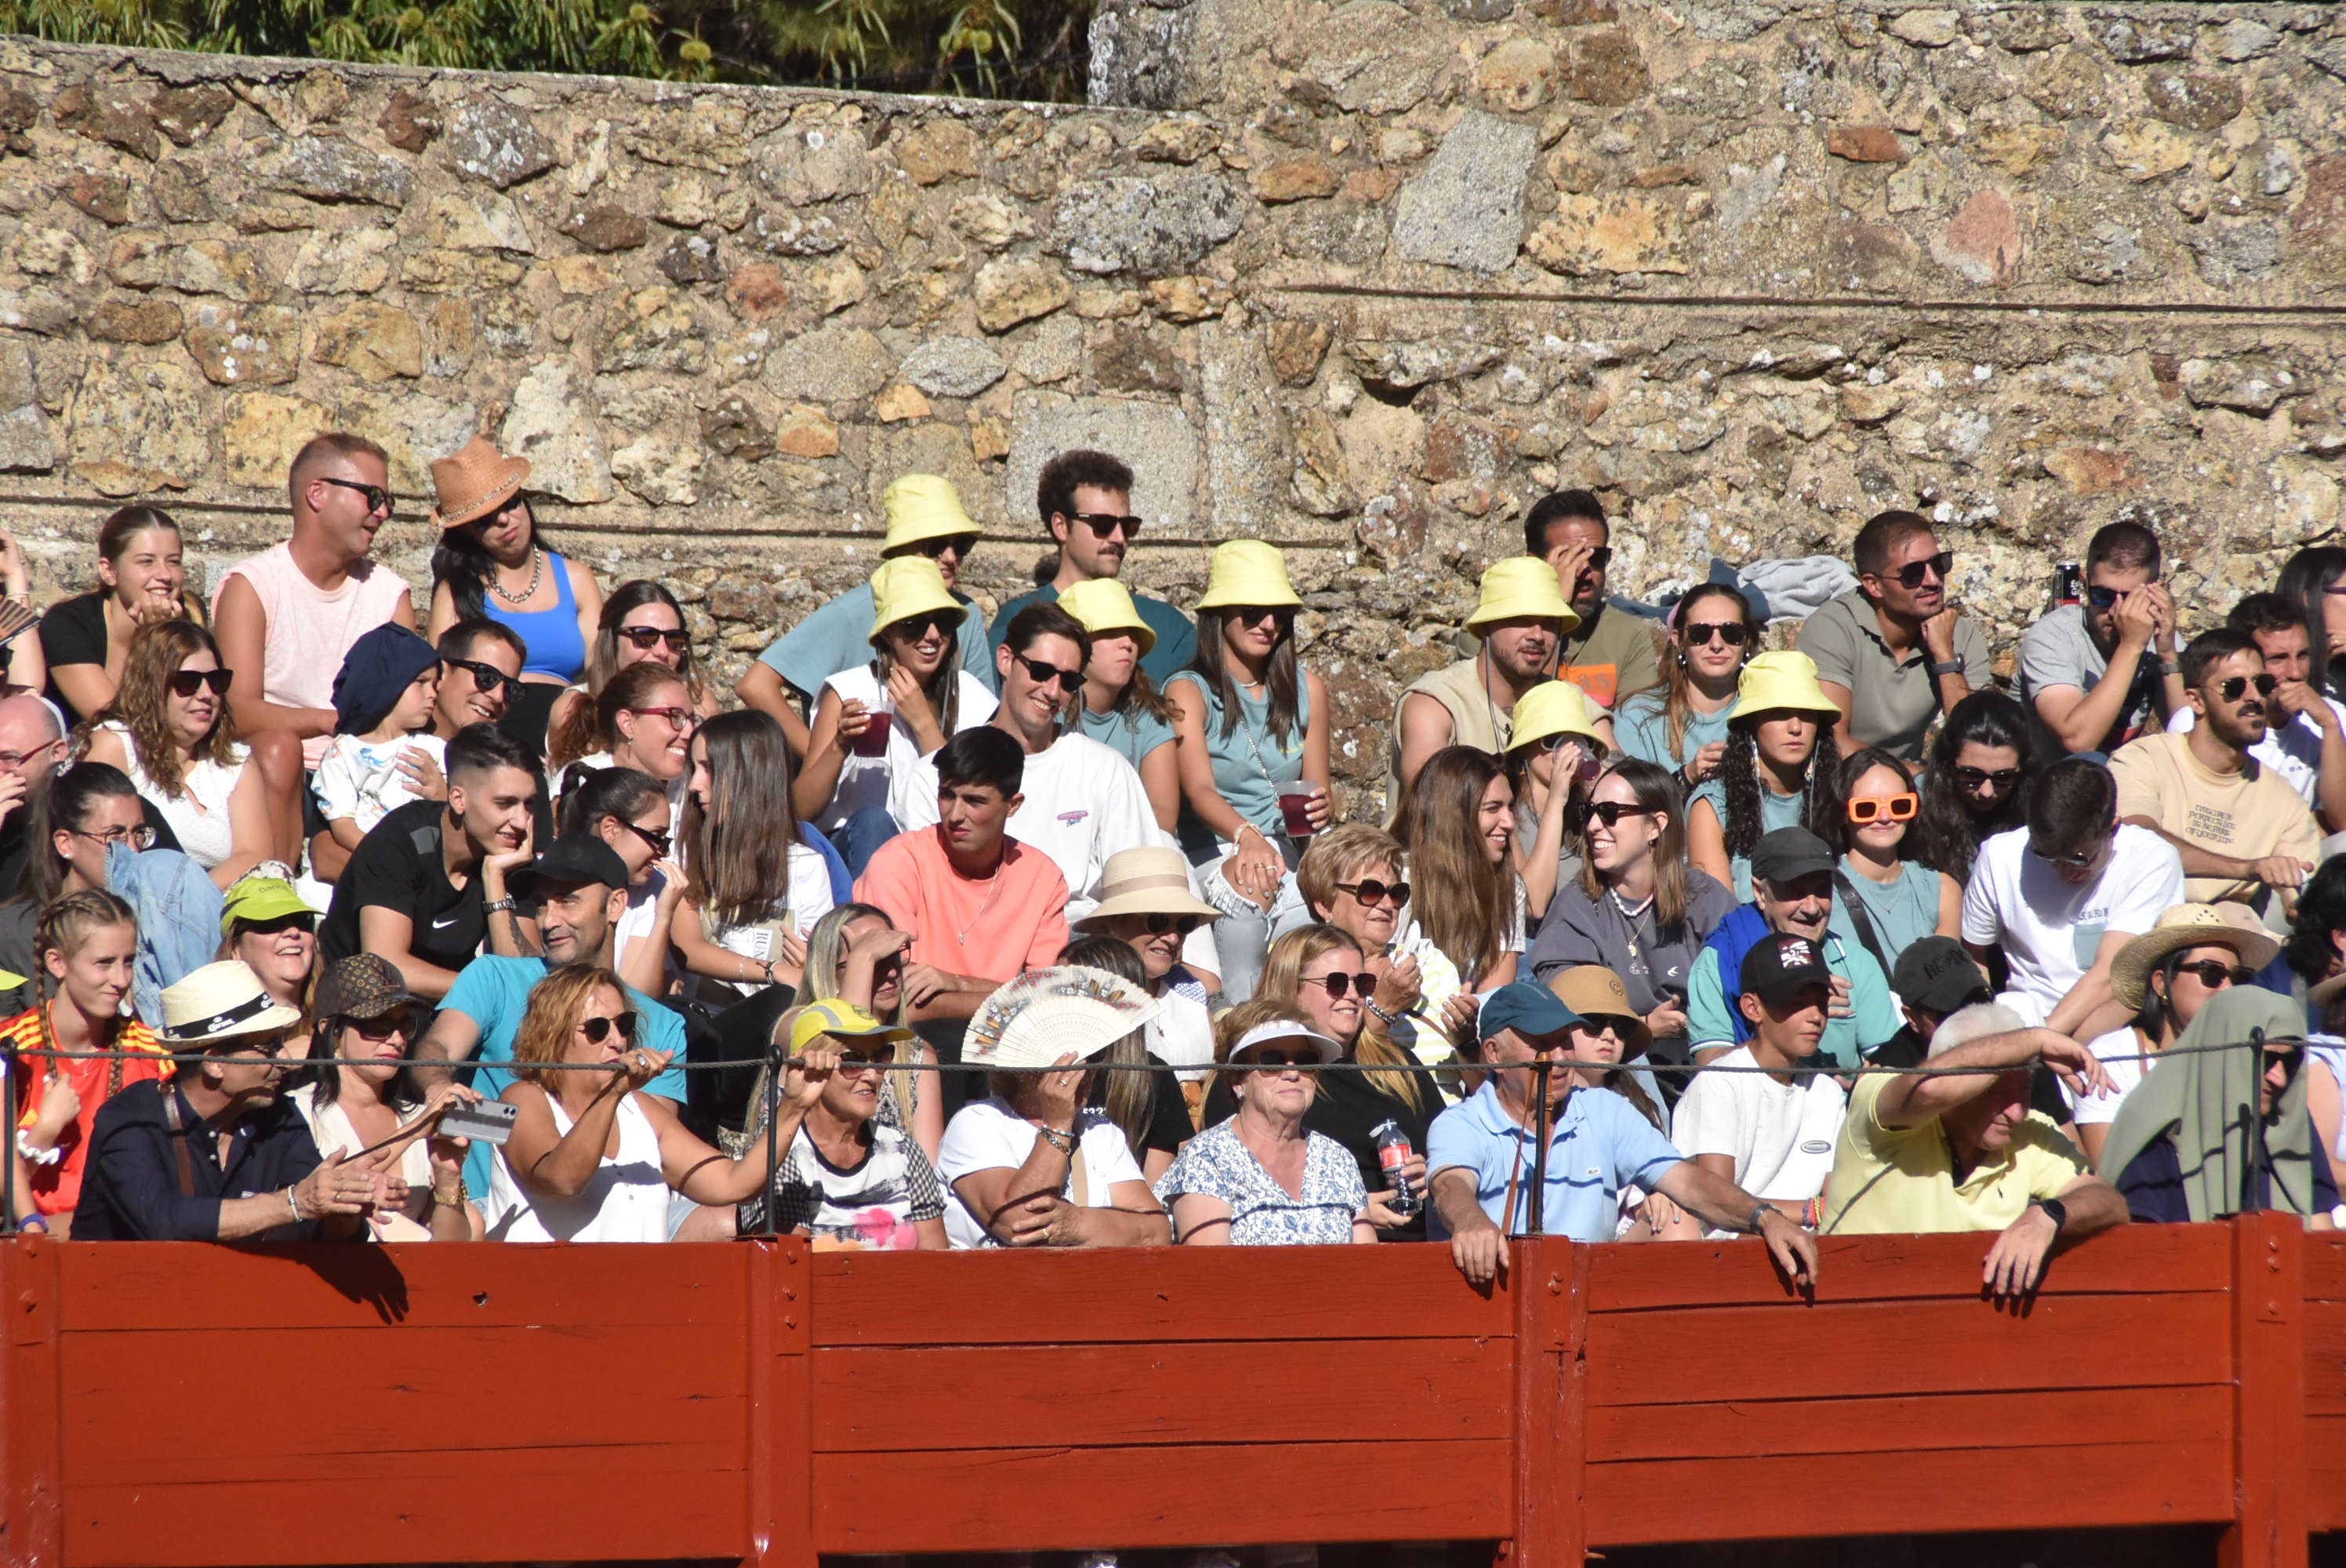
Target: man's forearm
2093, 1205
2197, 860
1455, 1202
1909, 1101
1711, 1198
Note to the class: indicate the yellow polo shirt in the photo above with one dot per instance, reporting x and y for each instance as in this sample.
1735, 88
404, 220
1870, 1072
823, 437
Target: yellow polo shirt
1902, 1179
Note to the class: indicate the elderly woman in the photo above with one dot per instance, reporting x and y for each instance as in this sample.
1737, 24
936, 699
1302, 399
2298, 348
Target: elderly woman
1145, 903
1032, 1165
1262, 1178
1350, 878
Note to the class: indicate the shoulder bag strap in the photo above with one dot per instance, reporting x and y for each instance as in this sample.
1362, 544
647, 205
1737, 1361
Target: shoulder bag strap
173, 1120
1860, 919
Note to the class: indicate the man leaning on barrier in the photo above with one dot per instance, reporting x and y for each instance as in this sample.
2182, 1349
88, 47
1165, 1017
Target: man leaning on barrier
1489, 1181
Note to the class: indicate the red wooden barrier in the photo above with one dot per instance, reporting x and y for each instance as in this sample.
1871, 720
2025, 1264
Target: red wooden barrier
198, 1406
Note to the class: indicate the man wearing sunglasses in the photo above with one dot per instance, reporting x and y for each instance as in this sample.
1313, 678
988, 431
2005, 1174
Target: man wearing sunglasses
2305, 730
1084, 499
1521, 619
1891, 653
2095, 675
2242, 832
1609, 652
926, 517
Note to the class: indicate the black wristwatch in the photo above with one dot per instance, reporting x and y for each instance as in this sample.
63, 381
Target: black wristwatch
2058, 1210
1953, 667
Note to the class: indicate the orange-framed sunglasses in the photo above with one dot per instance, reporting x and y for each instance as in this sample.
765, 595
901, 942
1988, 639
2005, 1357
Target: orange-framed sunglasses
1865, 809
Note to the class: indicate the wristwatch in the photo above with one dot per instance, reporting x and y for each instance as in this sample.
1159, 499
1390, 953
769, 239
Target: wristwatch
2057, 1210
1953, 667
496, 906
1760, 1211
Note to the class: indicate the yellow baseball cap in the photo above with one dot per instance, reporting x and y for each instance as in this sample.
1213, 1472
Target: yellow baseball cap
1552, 708
1103, 607
1520, 586
909, 586
1782, 681
922, 506
844, 1018
1248, 573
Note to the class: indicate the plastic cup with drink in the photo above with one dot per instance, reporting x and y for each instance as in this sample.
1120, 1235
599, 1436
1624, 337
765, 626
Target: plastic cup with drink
1295, 807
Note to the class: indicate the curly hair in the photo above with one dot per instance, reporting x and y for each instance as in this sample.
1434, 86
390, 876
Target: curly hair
1738, 779
141, 704
1947, 833
554, 1004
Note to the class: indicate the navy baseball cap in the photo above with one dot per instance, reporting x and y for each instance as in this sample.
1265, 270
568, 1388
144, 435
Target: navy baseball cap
1526, 1008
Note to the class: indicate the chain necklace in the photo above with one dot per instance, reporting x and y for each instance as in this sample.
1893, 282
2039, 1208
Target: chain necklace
536, 574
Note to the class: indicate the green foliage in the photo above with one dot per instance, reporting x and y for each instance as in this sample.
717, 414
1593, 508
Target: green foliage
994, 49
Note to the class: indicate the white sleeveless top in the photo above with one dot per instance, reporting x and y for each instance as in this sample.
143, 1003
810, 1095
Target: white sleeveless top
199, 814
863, 781
625, 1200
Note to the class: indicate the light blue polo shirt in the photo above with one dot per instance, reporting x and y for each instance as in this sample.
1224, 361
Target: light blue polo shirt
838, 636
1177, 635
1599, 1146
493, 991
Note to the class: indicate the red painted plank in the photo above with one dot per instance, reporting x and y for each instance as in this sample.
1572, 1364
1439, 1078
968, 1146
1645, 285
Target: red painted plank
1172, 1293
2136, 1260
781, 1420
1297, 1390
2159, 1480
1923, 1347
1551, 1326
1881, 1430
2325, 1465
32, 1485
2325, 1357
2269, 1350
1053, 1499
2325, 1267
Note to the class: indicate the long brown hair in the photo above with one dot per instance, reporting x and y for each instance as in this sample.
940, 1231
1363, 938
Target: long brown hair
602, 653
140, 703
554, 1006
1655, 790
590, 726
1462, 902
1282, 678
1678, 681
738, 864
1282, 978
943, 687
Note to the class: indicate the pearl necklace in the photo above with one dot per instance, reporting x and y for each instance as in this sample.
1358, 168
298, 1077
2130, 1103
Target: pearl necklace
536, 574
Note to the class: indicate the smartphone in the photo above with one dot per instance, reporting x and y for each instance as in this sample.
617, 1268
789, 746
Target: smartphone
491, 1122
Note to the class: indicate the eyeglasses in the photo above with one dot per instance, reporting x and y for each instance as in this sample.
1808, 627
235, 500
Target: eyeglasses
1103, 523
2232, 688
14, 761
1158, 924
1901, 807
1910, 576
378, 499
1610, 812
677, 717
1043, 673
1609, 1023
913, 628
649, 637
487, 676
659, 838
958, 545
1971, 778
381, 1028
186, 682
1369, 891
1338, 984
2212, 972
306, 924
142, 837
1275, 1060
598, 1029
1734, 634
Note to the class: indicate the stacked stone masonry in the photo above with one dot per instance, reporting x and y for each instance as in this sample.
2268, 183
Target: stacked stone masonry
1361, 279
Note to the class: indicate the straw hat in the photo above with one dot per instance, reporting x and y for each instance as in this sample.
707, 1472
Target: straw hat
1247, 573
221, 1001
1103, 607
1552, 708
1047, 1013
909, 586
1277, 1030
2189, 925
922, 506
474, 483
1594, 991
1148, 881
1782, 681
1517, 588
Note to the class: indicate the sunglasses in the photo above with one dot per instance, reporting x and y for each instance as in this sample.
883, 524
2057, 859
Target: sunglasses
1361, 985
486, 677
1252, 615
958, 545
1734, 634
649, 637
913, 628
381, 1028
1971, 778
378, 499
1158, 924
1103, 523
598, 1029
1910, 576
188, 682
2234, 687
659, 838
1043, 673
1609, 812
1609, 1023
307, 924
1901, 807
1275, 1060
2211, 972
679, 717
2101, 599
866, 1061
2078, 861
1369, 891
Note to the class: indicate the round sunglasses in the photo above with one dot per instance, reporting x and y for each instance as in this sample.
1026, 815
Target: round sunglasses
597, 1029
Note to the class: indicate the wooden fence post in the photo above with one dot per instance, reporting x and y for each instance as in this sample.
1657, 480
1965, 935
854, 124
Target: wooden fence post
1550, 1280
781, 1400
32, 1489
2269, 1477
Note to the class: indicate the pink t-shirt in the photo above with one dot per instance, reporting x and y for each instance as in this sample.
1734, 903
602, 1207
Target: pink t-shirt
991, 927
308, 631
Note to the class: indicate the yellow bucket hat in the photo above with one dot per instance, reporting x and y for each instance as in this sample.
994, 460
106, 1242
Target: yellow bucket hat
1103, 607
1780, 681
922, 506
1552, 708
906, 586
1518, 586
1250, 573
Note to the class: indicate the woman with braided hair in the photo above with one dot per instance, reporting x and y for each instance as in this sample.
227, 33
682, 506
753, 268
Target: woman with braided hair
1780, 769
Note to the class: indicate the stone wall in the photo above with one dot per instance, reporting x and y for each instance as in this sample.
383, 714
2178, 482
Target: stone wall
1361, 279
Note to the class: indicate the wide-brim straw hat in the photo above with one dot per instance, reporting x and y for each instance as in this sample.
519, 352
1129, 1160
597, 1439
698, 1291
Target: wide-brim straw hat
922, 506
1048, 1013
1594, 991
1517, 588
1277, 1030
909, 586
1552, 708
1148, 881
223, 1001
2189, 925
1782, 681
474, 482
1248, 573
1104, 608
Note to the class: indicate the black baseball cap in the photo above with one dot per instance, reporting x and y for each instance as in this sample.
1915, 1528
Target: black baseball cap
1936, 975
1779, 966
580, 860
1787, 854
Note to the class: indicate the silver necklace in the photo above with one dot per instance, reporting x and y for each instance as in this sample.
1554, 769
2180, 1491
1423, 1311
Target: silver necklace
536, 574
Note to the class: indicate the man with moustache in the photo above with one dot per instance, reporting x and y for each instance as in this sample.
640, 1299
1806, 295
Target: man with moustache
1891, 653
1522, 617
1084, 499
1612, 653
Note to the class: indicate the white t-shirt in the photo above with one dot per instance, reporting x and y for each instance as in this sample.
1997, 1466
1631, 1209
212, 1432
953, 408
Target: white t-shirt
986, 1134
866, 781
2291, 750
360, 779
2050, 930
1439, 980
809, 900
2121, 1053
1780, 1136
1181, 1035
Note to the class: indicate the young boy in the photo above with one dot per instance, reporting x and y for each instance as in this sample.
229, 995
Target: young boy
383, 722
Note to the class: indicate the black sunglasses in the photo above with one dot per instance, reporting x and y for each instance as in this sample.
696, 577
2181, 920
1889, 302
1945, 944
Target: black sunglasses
1972, 777
2101, 599
1609, 812
1043, 673
1368, 891
2233, 687
487, 676
188, 682
1910, 576
1338, 984
1103, 523
2077, 861
378, 499
1277, 1059
2212, 972
960, 544
598, 1029
1734, 634
659, 838
1158, 924
302, 921
384, 1026
913, 628
652, 636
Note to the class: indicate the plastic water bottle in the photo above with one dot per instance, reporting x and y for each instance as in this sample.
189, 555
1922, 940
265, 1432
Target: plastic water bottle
1393, 1151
